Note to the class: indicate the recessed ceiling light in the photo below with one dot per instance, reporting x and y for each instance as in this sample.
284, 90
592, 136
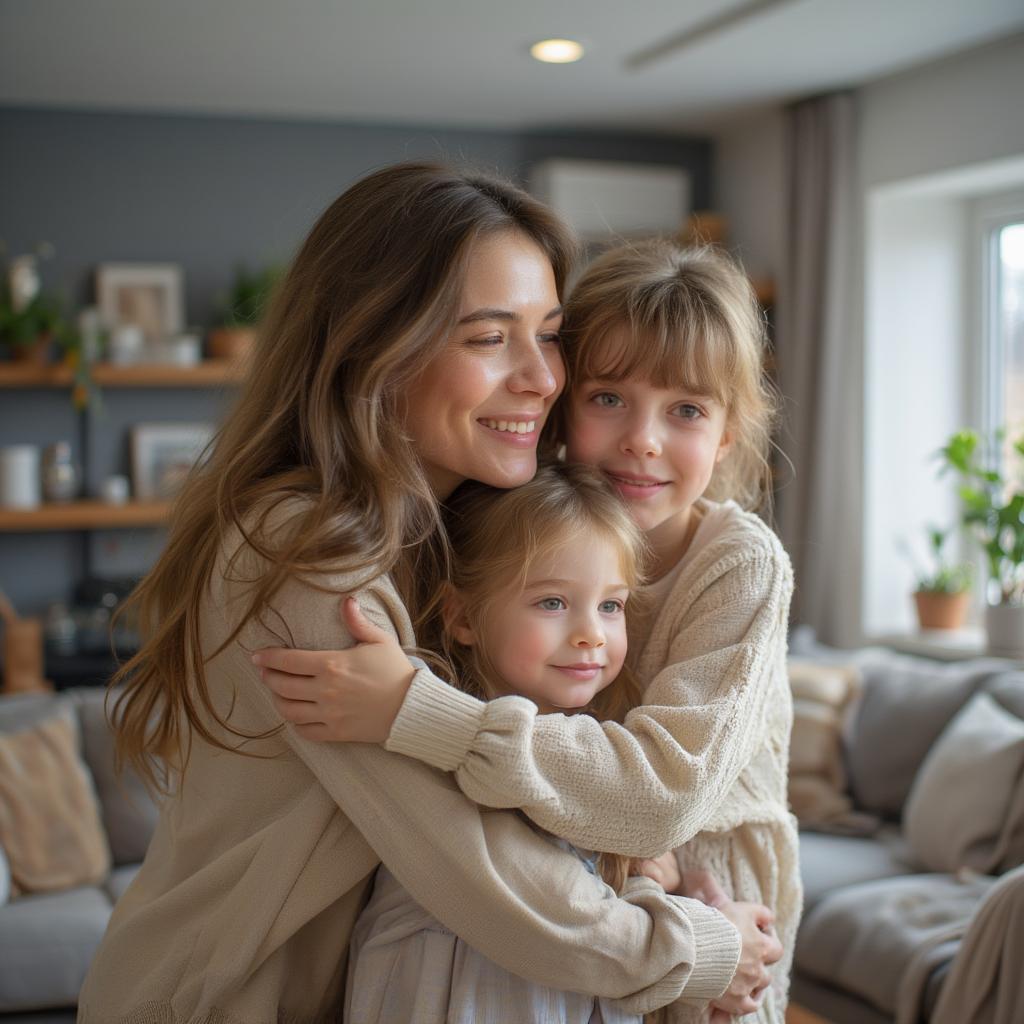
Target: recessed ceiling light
556, 51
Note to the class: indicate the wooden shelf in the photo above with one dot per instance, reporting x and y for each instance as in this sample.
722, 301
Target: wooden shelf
84, 515
208, 374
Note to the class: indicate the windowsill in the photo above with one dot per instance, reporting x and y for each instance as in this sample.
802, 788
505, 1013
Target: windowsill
941, 644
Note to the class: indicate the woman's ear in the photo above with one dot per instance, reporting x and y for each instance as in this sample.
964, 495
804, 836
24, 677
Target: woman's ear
453, 615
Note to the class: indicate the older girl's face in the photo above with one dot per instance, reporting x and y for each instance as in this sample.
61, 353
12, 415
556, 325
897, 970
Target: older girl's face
477, 411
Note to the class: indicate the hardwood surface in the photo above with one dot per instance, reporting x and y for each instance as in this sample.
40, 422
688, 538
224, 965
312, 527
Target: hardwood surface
209, 373
798, 1015
84, 515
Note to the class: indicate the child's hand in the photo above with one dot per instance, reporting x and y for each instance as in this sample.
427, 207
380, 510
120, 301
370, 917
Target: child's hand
703, 886
664, 870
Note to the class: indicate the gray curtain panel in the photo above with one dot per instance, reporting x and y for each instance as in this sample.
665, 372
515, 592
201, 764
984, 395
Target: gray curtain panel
819, 366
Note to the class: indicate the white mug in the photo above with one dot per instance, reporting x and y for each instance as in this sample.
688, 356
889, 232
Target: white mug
20, 483
115, 490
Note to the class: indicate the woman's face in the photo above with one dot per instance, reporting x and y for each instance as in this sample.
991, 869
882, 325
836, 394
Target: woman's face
478, 409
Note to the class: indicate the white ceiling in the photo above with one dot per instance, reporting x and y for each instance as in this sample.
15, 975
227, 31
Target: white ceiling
465, 62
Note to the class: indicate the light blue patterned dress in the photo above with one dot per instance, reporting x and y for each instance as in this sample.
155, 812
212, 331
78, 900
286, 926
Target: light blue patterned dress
405, 967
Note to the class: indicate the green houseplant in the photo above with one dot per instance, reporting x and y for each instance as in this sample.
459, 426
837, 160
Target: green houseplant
242, 310
993, 512
942, 591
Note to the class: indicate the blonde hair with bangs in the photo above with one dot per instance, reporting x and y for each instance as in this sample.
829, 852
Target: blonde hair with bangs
497, 537
696, 325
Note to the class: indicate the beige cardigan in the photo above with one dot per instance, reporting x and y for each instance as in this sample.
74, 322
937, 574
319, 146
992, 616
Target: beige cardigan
242, 910
701, 765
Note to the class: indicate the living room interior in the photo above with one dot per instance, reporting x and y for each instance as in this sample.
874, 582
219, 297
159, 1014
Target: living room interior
864, 163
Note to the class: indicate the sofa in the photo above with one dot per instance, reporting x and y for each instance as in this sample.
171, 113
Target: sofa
852, 951
888, 878
48, 938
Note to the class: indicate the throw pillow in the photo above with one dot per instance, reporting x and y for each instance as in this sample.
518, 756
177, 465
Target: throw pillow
958, 813
49, 818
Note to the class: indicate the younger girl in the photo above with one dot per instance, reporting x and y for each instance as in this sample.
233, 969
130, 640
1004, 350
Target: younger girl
536, 607
667, 398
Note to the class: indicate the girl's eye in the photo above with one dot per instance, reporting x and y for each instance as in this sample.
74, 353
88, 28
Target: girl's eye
611, 607
606, 399
551, 604
688, 411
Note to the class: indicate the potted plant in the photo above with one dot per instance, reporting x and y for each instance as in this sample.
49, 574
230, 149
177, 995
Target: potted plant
242, 310
993, 511
30, 319
942, 592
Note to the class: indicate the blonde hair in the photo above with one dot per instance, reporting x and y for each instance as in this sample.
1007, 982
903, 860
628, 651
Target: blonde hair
368, 302
695, 323
497, 537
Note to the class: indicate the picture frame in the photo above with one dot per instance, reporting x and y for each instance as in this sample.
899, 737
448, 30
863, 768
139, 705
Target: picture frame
148, 295
162, 454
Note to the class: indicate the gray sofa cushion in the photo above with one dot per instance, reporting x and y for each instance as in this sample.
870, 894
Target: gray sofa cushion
863, 938
906, 703
129, 813
829, 862
46, 945
119, 880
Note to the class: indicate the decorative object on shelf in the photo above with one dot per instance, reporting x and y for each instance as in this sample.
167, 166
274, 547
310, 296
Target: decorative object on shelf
148, 295
163, 454
993, 512
61, 477
115, 490
127, 346
19, 477
23, 651
943, 591
243, 308
182, 350
31, 320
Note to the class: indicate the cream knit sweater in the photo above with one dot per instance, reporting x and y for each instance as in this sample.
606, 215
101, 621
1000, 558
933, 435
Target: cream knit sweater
242, 910
701, 766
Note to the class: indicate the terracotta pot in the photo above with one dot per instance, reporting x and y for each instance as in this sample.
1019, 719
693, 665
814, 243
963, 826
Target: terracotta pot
235, 343
936, 610
1004, 627
37, 352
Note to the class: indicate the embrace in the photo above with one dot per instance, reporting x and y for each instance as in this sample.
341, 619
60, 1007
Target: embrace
464, 666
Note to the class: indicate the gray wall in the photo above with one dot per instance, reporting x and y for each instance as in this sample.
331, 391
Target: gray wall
206, 193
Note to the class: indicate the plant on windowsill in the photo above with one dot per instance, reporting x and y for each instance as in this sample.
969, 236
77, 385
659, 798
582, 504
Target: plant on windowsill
241, 313
993, 512
942, 593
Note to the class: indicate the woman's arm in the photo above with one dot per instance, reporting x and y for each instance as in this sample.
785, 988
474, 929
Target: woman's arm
478, 871
637, 789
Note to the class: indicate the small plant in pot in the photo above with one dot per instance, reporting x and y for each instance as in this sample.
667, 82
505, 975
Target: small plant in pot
942, 593
242, 310
993, 512
31, 320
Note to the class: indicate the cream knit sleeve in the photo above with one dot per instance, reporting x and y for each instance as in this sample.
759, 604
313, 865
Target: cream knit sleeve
488, 876
650, 784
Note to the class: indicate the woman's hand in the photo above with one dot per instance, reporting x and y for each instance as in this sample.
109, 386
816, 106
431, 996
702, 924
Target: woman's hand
761, 947
352, 695
664, 870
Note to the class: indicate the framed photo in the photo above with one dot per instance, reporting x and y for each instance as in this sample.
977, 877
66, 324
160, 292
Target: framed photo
163, 454
149, 295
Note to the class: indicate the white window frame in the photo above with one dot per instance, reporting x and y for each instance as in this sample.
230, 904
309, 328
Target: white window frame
990, 215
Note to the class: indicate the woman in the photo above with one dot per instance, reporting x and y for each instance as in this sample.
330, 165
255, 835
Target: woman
413, 345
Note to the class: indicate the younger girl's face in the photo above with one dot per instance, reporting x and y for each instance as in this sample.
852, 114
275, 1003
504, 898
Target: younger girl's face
562, 638
658, 447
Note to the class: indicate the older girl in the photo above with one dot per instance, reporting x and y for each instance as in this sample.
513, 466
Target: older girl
377, 389
668, 401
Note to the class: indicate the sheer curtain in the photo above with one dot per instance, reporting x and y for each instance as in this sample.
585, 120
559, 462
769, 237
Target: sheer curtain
820, 368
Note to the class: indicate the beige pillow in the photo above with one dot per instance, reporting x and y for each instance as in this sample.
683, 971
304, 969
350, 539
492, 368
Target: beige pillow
50, 824
961, 808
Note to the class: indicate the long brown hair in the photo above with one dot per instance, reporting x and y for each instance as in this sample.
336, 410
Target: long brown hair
367, 303
497, 537
694, 323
